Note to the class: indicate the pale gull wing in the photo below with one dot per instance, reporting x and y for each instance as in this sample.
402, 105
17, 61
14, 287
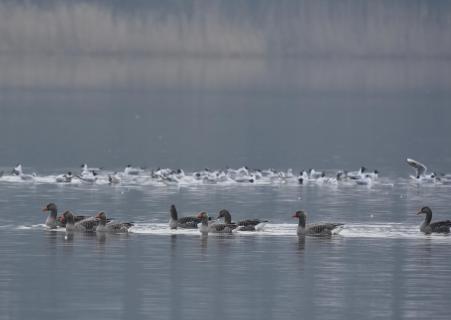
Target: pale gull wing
418, 166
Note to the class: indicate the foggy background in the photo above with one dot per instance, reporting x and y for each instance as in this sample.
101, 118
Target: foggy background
193, 84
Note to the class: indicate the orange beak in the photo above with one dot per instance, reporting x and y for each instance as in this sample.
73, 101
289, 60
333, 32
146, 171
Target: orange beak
45, 209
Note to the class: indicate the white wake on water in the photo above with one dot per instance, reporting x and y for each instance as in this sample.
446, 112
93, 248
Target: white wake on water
386, 230
376, 231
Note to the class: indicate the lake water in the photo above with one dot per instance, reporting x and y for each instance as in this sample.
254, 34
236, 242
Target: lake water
301, 84
378, 266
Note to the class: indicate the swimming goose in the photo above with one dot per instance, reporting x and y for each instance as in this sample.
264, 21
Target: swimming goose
437, 227
112, 226
184, 223
205, 227
245, 225
86, 225
318, 229
53, 220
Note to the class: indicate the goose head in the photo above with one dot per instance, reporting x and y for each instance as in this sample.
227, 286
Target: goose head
51, 207
302, 216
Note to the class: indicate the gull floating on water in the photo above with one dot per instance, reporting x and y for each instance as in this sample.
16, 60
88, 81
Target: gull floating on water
114, 178
64, 178
17, 171
420, 171
132, 171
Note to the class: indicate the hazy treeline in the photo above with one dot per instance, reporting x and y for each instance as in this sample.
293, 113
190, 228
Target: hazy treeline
417, 28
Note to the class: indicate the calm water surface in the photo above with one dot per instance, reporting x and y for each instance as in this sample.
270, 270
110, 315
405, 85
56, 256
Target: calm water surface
380, 267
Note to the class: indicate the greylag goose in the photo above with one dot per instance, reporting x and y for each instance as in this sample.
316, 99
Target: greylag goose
244, 225
318, 229
53, 220
437, 227
111, 226
86, 225
206, 227
184, 223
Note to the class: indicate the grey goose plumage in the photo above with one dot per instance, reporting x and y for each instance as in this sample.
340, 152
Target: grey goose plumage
53, 220
104, 225
318, 229
85, 225
243, 225
206, 227
435, 227
184, 222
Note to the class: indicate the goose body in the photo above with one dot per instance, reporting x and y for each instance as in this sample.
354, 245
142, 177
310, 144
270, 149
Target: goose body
53, 220
111, 226
205, 227
244, 225
85, 225
435, 227
184, 223
317, 229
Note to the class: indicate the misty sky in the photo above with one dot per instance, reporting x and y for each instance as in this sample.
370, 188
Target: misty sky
167, 77
407, 28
